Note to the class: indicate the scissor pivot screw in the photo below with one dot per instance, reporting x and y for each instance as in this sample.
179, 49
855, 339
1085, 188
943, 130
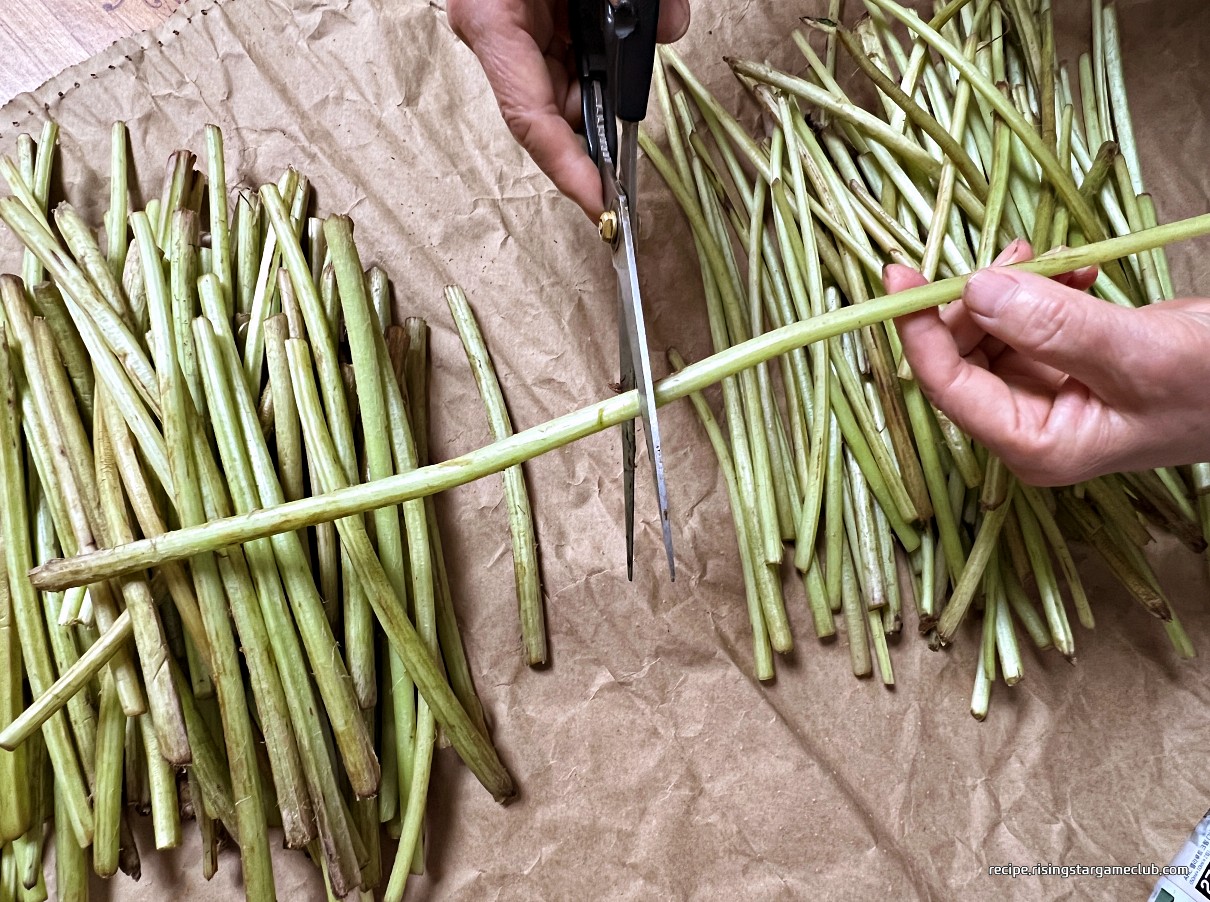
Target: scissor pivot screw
607, 226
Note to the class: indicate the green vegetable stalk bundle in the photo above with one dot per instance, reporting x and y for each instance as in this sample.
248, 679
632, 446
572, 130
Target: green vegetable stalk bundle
977, 135
224, 353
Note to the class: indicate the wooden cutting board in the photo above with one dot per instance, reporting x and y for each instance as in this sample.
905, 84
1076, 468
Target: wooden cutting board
41, 38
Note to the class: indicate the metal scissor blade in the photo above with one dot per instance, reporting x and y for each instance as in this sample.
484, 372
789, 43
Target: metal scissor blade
626, 383
631, 314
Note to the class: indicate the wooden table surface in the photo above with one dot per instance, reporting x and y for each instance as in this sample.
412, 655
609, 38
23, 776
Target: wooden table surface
41, 38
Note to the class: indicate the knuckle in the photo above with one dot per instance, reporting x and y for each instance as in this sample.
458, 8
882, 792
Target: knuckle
1052, 321
520, 122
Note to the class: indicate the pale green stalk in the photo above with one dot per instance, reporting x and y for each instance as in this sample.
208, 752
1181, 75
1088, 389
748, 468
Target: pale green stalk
473, 746
265, 293
761, 651
164, 705
31, 269
863, 541
83, 245
183, 241
209, 766
1058, 547
25, 608
247, 247
982, 691
225, 670
1115, 82
165, 806
1150, 221
1023, 608
287, 433
885, 550
972, 573
882, 652
876, 220
116, 244
520, 517
107, 793
855, 617
71, 861
416, 377
63, 648
16, 814
104, 564
48, 304
1044, 578
220, 233
174, 195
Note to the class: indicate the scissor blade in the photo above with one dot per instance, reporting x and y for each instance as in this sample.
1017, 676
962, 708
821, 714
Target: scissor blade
626, 383
631, 313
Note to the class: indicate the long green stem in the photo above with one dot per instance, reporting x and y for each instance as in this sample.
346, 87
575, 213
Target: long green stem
473, 746
106, 563
237, 725
520, 517
762, 653
107, 795
23, 599
222, 382
457, 667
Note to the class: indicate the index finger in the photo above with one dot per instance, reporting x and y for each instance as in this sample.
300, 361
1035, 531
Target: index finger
528, 86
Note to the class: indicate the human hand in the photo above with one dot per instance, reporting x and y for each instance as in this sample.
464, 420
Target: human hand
1058, 384
525, 50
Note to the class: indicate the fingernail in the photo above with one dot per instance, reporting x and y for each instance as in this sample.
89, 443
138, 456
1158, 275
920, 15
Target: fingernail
988, 291
1009, 253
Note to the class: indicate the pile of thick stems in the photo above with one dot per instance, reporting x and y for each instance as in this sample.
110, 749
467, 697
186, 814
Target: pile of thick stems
833, 454
212, 362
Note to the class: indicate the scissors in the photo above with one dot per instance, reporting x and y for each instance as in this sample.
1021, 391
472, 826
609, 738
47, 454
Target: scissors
614, 42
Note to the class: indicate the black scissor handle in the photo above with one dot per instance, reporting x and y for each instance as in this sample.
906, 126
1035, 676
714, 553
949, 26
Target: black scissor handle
615, 48
633, 22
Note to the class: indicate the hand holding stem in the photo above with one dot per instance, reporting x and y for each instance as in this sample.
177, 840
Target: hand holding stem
1060, 385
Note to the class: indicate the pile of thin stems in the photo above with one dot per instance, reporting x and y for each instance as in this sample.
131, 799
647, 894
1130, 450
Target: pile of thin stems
214, 361
975, 138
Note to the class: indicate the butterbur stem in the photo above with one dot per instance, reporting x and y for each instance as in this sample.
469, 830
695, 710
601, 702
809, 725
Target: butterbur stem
449, 634
237, 726
107, 796
25, 608
106, 563
520, 516
473, 746
762, 653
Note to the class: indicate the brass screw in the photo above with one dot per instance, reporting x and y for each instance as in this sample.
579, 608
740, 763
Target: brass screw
607, 226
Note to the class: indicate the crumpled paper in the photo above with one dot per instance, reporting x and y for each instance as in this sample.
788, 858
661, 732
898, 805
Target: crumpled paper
650, 762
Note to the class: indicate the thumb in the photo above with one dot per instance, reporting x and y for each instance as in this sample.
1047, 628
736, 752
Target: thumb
674, 21
1053, 324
